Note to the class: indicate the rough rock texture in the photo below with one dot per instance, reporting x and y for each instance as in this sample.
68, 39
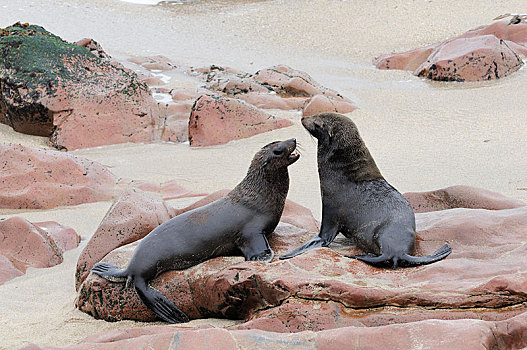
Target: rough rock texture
32, 178
218, 120
24, 245
487, 52
470, 59
460, 197
426, 335
277, 87
130, 218
484, 278
49, 87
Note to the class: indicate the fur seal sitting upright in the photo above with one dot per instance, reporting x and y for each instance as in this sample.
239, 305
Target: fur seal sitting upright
240, 221
357, 201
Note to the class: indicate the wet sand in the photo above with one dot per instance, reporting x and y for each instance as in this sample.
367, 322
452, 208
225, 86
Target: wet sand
422, 135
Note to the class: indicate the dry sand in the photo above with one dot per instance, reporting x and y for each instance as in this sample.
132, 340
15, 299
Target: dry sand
423, 135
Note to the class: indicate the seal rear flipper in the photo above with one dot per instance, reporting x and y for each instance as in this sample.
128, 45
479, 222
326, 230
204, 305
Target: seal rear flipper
158, 303
441, 253
313, 243
110, 272
375, 260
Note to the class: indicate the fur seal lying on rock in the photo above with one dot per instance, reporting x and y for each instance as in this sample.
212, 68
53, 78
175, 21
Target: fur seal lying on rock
357, 201
240, 221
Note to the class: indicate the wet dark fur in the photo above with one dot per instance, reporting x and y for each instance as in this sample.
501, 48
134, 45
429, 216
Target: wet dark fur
357, 201
238, 222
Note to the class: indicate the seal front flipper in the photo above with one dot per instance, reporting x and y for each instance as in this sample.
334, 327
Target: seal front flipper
255, 247
158, 303
110, 272
323, 239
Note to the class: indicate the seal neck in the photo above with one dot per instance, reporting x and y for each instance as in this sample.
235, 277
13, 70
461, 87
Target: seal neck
263, 189
356, 162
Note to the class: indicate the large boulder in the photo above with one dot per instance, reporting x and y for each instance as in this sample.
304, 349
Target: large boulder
130, 218
483, 278
49, 87
25, 244
32, 178
218, 120
483, 53
470, 59
426, 335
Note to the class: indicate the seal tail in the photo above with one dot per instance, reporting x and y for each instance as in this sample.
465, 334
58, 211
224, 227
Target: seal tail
406, 260
110, 272
158, 303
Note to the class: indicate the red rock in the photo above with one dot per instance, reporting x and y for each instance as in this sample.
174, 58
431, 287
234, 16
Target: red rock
429, 334
218, 120
470, 59
321, 104
408, 60
94, 47
32, 178
272, 101
29, 245
71, 95
483, 278
278, 87
64, 237
130, 218
471, 56
460, 197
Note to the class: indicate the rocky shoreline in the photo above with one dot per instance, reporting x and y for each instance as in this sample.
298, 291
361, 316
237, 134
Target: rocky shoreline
323, 298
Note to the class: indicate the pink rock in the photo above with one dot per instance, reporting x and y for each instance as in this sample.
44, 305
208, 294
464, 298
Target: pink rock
460, 197
486, 52
483, 278
278, 87
272, 101
64, 237
408, 60
218, 120
322, 103
94, 47
130, 218
429, 334
470, 59
32, 178
29, 245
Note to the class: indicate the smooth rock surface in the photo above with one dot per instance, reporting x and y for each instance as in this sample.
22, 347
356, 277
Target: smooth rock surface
24, 244
426, 335
32, 178
218, 120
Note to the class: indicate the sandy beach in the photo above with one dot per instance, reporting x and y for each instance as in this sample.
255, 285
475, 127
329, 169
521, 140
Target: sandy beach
423, 135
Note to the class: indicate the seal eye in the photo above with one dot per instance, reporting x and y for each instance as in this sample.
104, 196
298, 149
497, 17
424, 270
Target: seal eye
278, 151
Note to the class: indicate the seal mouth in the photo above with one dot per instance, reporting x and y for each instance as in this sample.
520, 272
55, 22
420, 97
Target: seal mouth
293, 156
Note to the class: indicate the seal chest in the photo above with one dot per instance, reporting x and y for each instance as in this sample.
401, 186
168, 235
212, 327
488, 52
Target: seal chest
238, 222
357, 201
